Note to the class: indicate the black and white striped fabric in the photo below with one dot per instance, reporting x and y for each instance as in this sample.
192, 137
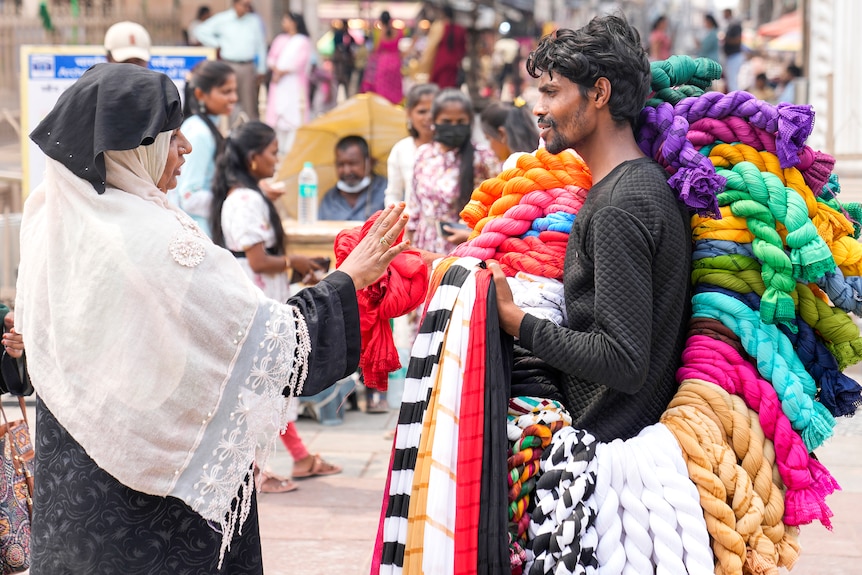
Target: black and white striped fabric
424, 358
563, 537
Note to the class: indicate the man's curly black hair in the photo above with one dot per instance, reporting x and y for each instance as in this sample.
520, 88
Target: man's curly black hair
606, 47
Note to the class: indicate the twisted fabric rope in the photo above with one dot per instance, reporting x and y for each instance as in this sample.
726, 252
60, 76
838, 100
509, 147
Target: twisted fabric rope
681, 77
837, 392
746, 506
563, 538
838, 330
694, 439
747, 442
829, 195
807, 481
762, 199
533, 172
776, 361
523, 464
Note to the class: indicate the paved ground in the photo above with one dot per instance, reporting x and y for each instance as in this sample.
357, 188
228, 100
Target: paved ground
329, 524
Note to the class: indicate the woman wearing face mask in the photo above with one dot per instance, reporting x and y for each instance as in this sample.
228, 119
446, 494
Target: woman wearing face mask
445, 174
210, 93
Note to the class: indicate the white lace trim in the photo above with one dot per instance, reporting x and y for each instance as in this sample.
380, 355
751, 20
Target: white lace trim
259, 413
188, 247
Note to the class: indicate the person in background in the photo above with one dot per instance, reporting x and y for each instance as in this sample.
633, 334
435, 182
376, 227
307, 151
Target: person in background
289, 59
626, 274
510, 129
507, 61
451, 49
211, 92
788, 84
402, 156
445, 174
383, 73
359, 191
245, 221
659, 40
733, 54
708, 45
762, 89
343, 56
144, 451
239, 36
128, 43
202, 15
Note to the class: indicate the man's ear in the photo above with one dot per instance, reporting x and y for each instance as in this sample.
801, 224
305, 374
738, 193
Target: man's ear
602, 92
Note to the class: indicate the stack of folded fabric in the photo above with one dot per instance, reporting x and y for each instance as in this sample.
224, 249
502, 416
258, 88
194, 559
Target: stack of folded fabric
722, 483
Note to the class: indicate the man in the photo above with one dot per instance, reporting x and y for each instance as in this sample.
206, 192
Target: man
788, 82
626, 275
238, 34
128, 43
733, 55
358, 192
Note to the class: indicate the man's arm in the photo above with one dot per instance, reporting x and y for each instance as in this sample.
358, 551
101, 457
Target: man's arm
616, 354
260, 47
208, 32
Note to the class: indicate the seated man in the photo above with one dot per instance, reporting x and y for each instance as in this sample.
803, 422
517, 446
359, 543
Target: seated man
358, 192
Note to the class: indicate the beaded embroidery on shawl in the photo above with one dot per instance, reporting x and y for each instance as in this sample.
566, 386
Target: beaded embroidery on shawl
187, 247
283, 357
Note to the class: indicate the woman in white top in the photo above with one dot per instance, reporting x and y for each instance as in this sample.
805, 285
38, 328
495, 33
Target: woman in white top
245, 221
403, 153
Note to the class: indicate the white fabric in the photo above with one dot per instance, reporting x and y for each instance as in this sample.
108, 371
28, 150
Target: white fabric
245, 223
399, 171
539, 296
155, 156
148, 342
440, 510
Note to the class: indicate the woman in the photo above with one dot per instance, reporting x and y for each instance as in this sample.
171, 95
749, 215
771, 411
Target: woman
402, 156
164, 377
289, 59
449, 52
709, 44
511, 130
659, 40
245, 221
446, 172
383, 75
210, 93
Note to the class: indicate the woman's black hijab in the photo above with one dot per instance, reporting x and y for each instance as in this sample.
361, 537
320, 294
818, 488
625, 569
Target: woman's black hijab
111, 107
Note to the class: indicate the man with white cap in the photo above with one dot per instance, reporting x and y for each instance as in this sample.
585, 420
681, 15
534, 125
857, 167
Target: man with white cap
128, 43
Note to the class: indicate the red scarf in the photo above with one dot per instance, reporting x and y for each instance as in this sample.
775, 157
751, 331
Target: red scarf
399, 291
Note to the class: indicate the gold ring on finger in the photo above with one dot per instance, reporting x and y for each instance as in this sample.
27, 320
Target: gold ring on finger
385, 241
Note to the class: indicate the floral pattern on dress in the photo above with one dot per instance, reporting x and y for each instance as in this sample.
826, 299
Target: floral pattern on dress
435, 191
245, 222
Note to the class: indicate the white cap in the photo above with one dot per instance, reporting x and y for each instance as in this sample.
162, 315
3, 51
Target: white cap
127, 40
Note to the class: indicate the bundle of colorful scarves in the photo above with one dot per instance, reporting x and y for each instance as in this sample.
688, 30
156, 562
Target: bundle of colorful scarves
482, 484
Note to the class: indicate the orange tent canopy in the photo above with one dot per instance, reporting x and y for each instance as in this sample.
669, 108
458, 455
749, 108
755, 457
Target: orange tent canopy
790, 22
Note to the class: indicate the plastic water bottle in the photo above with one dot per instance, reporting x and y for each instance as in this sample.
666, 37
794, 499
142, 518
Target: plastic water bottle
307, 209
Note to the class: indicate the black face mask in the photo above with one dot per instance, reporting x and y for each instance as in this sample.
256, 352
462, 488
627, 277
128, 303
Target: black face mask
452, 135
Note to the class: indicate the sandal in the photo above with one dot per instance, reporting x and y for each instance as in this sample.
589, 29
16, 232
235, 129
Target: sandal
276, 484
319, 467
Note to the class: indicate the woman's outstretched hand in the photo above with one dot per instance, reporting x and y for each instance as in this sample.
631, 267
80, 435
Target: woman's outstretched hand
373, 254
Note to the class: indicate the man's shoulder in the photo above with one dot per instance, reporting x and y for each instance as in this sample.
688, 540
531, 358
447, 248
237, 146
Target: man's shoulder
638, 184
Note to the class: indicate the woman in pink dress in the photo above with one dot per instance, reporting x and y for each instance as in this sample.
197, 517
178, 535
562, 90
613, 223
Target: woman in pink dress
384, 78
289, 58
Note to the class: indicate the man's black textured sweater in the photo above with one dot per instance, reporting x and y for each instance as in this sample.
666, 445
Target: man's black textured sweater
626, 284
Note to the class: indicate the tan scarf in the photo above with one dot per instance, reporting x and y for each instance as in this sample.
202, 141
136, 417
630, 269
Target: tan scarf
148, 343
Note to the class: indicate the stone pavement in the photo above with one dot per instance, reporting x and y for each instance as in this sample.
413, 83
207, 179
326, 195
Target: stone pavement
329, 524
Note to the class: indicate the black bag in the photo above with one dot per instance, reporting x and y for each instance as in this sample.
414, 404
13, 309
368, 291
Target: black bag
14, 377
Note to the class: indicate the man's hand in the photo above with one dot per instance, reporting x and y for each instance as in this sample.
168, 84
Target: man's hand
510, 314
